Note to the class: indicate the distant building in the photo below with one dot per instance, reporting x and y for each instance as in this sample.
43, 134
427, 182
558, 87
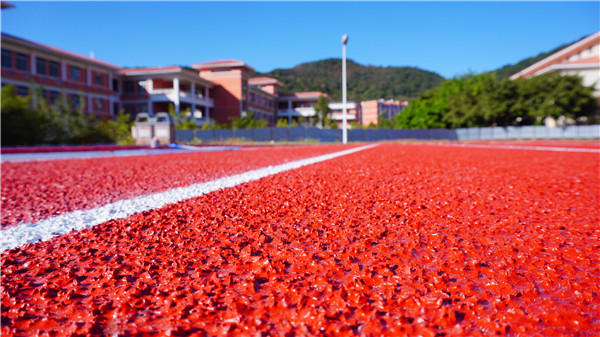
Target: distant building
152, 90
370, 110
582, 58
218, 90
337, 112
299, 106
88, 83
263, 94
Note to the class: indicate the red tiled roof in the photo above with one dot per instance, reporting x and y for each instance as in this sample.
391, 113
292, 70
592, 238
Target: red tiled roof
164, 70
60, 51
221, 64
587, 60
263, 80
560, 56
306, 94
131, 71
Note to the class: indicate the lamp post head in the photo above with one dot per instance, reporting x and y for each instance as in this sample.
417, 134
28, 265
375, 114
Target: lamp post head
345, 39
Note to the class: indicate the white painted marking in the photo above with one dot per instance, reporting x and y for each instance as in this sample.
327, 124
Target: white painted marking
43, 230
523, 147
43, 156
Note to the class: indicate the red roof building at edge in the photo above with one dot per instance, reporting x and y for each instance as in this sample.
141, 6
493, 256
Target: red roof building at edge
210, 91
581, 58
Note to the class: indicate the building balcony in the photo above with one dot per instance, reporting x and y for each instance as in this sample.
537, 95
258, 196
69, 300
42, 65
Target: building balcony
296, 112
168, 95
340, 116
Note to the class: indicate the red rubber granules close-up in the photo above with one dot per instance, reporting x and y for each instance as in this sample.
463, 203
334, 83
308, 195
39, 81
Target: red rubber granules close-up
35, 190
396, 240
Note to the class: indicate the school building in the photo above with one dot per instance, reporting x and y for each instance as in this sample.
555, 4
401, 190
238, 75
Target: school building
217, 90
581, 58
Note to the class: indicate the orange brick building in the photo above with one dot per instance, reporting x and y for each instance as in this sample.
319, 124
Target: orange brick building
210, 91
370, 110
87, 83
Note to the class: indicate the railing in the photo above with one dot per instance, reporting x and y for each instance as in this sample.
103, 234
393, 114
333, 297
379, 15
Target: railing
296, 112
295, 134
193, 98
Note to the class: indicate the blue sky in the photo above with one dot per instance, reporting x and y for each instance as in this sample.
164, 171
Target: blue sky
449, 38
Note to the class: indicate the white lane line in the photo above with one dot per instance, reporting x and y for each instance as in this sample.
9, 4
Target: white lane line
43, 156
523, 147
43, 230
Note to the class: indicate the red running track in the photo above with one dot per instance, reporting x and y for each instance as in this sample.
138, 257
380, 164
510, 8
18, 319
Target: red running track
36, 190
395, 240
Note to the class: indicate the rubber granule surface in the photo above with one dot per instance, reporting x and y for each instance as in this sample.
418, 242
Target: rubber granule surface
32, 191
396, 240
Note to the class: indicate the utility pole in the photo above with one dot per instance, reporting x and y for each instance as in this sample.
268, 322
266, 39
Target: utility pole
345, 116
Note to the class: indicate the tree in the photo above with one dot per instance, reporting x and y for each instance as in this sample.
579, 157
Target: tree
247, 121
33, 120
20, 124
183, 120
383, 122
553, 95
282, 123
322, 110
484, 100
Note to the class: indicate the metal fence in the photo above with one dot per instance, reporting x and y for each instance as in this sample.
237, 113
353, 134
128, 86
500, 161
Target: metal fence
300, 134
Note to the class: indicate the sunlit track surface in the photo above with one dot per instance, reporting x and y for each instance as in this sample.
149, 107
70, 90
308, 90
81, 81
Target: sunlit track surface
43, 156
589, 147
32, 191
43, 230
589, 144
394, 240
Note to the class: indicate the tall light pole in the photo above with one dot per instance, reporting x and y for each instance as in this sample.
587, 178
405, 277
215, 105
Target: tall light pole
344, 110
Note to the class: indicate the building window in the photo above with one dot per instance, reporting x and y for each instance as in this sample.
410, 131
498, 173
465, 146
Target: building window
128, 87
115, 85
99, 104
41, 66
22, 91
54, 69
22, 62
142, 107
6, 58
129, 109
75, 73
141, 89
199, 91
98, 79
54, 95
75, 103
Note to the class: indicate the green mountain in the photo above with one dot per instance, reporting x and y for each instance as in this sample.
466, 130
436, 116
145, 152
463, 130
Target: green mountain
363, 82
373, 82
511, 69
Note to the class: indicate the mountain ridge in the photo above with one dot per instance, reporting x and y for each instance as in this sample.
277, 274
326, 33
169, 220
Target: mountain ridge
364, 82
367, 82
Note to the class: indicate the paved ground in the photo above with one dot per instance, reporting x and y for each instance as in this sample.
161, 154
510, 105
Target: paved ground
396, 239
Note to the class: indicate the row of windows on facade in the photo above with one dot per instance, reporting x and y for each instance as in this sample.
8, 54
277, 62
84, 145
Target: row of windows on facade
284, 105
389, 107
52, 97
43, 66
258, 99
139, 87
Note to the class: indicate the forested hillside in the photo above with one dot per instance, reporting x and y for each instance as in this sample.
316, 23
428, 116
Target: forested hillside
373, 82
510, 69
364, 82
